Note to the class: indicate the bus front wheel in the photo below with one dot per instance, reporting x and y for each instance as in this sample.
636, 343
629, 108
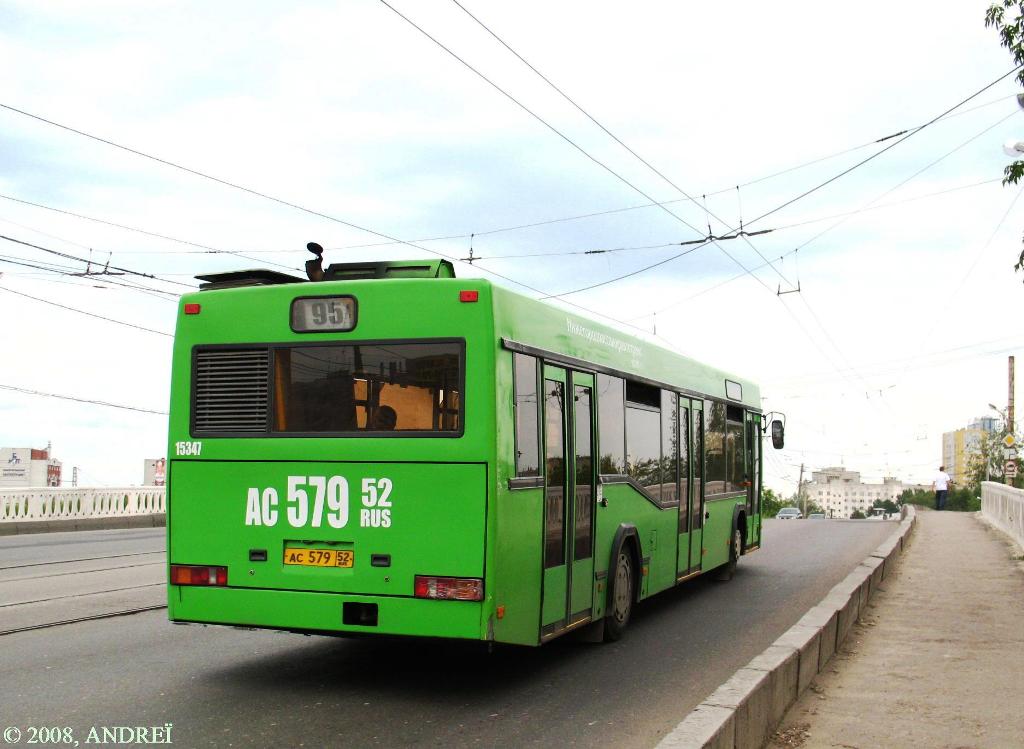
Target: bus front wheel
621, 598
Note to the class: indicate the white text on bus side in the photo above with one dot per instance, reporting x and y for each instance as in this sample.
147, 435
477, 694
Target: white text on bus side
330, 494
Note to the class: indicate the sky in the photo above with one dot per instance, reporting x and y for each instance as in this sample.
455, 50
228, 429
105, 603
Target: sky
908, 305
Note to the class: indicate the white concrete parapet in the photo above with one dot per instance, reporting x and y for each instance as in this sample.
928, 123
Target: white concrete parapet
79, 503
1003, 506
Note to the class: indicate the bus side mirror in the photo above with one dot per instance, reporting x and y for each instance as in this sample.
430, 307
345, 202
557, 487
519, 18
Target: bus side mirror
778, 434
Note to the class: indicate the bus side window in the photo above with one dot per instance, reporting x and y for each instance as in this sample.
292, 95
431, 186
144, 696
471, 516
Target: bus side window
526, 409
715, 472
611, 418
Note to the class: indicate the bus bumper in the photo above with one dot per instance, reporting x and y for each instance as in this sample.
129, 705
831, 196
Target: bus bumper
303, 611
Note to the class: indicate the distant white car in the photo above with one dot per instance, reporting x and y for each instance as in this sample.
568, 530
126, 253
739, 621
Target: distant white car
789, 513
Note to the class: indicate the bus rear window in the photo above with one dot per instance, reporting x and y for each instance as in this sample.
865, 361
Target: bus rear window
381, 388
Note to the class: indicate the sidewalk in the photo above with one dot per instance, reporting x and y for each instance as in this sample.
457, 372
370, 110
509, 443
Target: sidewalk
938, 660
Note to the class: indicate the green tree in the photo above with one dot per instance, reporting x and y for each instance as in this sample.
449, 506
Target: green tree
771, 503
886, 504
857, 515
920, 497
1011, 35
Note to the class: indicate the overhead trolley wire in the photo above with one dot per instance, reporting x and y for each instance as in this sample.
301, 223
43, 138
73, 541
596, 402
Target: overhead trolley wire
310, 211
565, 138
26, 391
259, 194
83, 260
641, 206
72, 272
205, 249
844, 172
710, 237
83, 312
843, 217
878, 153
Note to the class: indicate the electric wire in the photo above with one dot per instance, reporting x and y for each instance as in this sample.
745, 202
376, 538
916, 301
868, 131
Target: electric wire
262, 195
805, 222
310, 211
572, 143
610, 134
71, 272
963, 278
844, 172
88, 262
206, 249
27, 391
842, 219
895, 143
84, 312
641, 206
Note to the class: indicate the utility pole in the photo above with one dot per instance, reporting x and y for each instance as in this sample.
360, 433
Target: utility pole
1007, 478
800, 492
1009, 406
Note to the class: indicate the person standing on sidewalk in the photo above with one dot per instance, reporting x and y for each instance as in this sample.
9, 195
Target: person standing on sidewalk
941, 487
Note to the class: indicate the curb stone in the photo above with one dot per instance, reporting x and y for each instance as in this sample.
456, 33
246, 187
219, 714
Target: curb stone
743, 712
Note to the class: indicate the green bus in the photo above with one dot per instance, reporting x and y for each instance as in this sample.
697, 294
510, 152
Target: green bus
390, 450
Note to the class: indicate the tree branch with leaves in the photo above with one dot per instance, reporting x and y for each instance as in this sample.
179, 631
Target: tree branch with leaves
1007, 18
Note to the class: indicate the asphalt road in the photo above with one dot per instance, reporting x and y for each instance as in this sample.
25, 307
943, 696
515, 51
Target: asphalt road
48, 578
225, 687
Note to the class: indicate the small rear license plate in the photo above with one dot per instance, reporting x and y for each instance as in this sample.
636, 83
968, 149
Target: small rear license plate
318, 557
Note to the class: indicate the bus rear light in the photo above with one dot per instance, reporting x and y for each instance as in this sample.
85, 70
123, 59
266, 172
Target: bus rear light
189, 574
469, 296
449, 588
192, 309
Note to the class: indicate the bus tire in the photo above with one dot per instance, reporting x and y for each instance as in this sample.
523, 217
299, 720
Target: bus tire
621, 596
727, 570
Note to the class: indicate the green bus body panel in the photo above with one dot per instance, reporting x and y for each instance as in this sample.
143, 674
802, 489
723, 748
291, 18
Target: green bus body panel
436, 519
519, 525
322, 612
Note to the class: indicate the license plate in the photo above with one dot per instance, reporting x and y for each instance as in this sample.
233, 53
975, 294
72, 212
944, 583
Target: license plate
318, 557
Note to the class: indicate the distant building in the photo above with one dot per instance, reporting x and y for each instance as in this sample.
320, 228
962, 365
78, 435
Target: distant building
154, 472
960, 445
28, 467
839, 492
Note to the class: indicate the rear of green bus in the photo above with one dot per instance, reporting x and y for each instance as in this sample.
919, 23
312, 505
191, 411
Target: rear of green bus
329, 448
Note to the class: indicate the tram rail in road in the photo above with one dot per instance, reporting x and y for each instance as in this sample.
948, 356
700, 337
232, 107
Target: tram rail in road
50, 580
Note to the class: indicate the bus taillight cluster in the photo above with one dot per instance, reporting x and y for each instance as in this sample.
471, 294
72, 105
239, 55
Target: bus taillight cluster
189, 574
449, 588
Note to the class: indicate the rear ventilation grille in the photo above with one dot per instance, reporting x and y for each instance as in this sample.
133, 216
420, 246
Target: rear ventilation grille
231, 391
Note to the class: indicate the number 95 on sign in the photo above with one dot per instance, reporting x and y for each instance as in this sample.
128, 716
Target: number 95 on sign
319, 501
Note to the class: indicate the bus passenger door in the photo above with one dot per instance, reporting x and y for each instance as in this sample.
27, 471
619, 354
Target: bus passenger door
568, 526
556, 479
581, 578
685, 488
753, 462
697, 499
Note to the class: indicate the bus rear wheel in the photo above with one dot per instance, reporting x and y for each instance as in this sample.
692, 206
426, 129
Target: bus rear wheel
621, 598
